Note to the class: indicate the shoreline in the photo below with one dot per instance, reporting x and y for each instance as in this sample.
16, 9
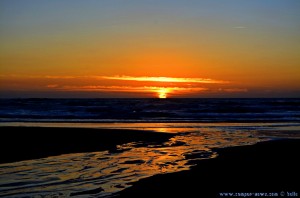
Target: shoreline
265, 167
26, 143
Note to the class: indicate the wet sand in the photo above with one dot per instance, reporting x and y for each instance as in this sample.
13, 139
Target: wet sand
24, 143
267, 167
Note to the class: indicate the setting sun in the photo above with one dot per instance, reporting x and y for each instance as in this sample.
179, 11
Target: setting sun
139, 49
162, 93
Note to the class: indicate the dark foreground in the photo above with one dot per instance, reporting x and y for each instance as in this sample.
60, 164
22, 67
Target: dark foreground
268, 167
24, 143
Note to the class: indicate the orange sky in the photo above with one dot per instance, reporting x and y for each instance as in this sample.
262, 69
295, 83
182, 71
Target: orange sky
65, 49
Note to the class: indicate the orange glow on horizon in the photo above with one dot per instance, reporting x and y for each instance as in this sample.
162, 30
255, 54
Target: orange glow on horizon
163, 79
116, 50
119, 86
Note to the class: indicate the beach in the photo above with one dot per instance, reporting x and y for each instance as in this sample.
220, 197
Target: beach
25, 143
265, 167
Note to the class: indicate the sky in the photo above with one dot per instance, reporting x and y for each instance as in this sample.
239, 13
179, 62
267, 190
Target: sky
149, 48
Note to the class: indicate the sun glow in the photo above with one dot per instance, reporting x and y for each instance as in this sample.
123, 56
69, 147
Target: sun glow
157, 87
163, 79
162, 93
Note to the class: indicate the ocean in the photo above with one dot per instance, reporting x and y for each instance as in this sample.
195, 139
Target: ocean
199, 127
149, 110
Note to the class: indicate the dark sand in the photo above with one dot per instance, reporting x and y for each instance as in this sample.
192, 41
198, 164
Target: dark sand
265, 167
23, 143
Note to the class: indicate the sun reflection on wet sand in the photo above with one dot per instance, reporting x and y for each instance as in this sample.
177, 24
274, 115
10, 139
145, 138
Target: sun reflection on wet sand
110, 171
115, 169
